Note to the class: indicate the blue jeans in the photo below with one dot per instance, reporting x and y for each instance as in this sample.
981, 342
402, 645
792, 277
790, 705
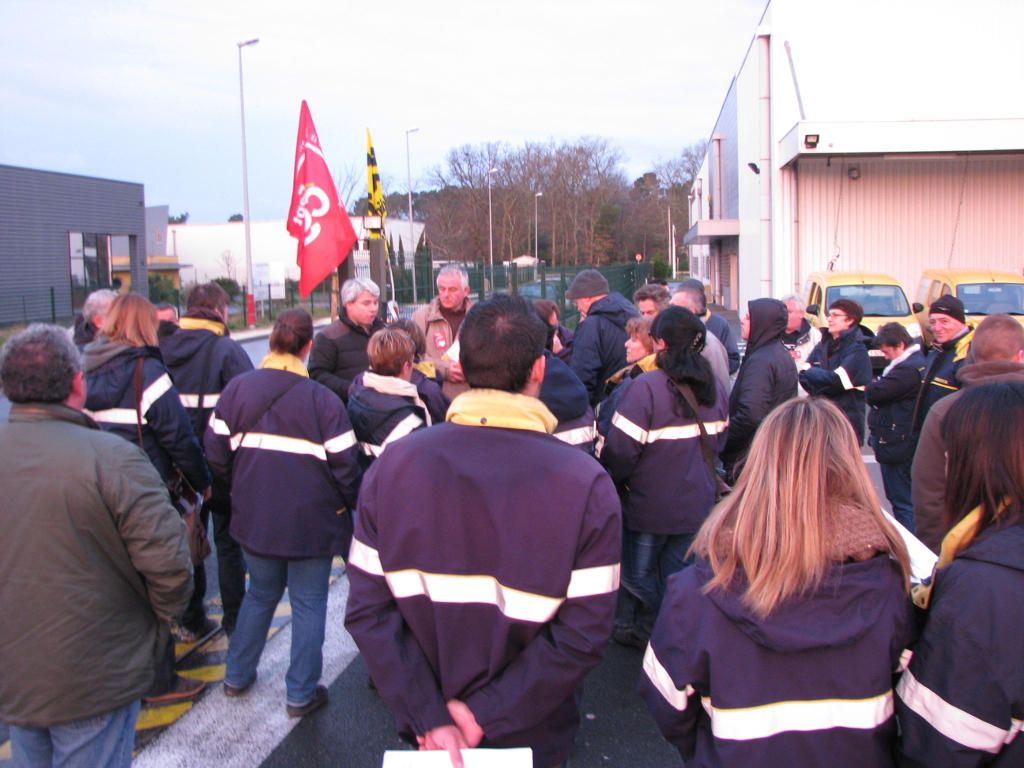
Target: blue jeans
896, 481
307, 582
99, 742
648, 559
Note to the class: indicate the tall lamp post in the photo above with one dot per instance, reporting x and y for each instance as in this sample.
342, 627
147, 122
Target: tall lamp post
536, 227
412, 240
250, 301
490, 223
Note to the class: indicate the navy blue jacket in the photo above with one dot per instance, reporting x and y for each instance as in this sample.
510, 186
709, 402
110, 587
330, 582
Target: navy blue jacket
719, 326
891, 416
380, 418
809, 685
185, 352
492, 582
431, 394
167, 435
962, 699
293, 473
653, 454
766, 379
943, 363
598, 348
840, 369
566, 397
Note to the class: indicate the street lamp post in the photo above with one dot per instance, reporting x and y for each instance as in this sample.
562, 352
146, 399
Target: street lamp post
412, 240
250, 301
536, 227
490, 224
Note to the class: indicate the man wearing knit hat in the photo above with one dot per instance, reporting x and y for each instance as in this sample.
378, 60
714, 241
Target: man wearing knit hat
598, 348
953, 337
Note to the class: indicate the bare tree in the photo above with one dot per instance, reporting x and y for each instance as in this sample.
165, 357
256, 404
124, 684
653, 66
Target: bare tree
229, 262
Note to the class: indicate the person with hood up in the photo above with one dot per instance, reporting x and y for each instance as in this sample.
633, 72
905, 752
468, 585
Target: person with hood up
383, 403
839, 366
598, 348
778, 649
130, 394
891, 416
960, 701
564, 394
656, 456
767, 377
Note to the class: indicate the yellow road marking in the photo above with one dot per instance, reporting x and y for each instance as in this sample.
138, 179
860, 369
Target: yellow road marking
5, 751
151, 717
283, 609
208, 674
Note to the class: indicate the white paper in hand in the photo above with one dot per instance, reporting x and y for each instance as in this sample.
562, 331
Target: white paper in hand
473, 758
922, 559
452, 353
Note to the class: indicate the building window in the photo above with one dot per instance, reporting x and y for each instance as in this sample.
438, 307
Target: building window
90, 255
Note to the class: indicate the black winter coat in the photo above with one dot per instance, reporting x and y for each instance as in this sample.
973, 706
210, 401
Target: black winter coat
380, 418
598, 348
431, 394
891, 414
566, 397
339, 353
167, 435
840, 369
961, 701
943, 363
766, 379
186, 352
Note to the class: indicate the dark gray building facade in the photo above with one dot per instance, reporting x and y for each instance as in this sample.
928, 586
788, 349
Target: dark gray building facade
59, 234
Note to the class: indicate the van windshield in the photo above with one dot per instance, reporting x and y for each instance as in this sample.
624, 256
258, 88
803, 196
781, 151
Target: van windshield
877, 300
989, 298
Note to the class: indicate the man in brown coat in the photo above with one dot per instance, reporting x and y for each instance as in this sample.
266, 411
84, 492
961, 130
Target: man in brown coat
95, 564
440, 321
998, 350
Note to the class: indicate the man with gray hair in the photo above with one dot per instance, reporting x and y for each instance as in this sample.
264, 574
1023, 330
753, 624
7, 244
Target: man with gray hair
440, 321
95, 564
339, 350
90, 321
714, 350
696, 300
800, 337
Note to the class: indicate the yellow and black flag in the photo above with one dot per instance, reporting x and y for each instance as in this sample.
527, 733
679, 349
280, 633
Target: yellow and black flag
374, 191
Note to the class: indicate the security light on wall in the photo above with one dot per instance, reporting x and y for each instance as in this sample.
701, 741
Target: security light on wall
855, 173
754, 168
811, 140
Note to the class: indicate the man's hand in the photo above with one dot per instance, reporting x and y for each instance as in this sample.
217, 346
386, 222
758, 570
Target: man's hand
455, 373
464, 719
208, 493
448, 738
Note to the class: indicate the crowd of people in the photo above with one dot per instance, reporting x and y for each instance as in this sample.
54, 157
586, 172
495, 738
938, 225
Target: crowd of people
510, 496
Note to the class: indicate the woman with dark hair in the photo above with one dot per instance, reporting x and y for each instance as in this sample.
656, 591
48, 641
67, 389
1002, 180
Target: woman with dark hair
961, 701
285, 444
778, 648
662, 462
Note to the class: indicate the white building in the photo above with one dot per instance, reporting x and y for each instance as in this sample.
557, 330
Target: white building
879, 135
218, 250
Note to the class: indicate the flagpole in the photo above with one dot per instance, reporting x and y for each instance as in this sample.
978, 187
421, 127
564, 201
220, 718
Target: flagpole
408, 170
490, 224
250, 301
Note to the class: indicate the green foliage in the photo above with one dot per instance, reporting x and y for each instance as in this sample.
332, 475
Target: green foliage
162, 289
181, 218
231, 288
233, 217
662, 269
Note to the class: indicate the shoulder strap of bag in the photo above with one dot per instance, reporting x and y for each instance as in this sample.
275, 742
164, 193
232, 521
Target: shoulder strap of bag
296, 378
705, 441
138, 398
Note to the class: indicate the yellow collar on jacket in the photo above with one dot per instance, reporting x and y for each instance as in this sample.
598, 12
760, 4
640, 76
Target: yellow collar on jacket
955, 542
198, 324
494, 408
963, 346
648, 363
282, 361
645, 364
427, 368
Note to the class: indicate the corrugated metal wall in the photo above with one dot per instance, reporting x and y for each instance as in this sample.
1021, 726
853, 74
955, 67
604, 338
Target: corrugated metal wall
898, 217
37, 210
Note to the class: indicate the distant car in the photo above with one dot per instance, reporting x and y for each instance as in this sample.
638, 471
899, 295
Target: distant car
880, 295
553, 287
983, 293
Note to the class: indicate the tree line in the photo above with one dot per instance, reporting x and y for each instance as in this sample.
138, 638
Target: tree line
589, 212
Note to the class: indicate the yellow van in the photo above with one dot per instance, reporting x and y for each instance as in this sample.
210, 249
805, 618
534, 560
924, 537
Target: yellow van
982, 291
881, 297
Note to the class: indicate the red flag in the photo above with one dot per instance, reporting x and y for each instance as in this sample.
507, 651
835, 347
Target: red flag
316, 217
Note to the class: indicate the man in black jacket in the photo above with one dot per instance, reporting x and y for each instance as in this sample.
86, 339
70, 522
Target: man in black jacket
202, 359
598, 348
952, 344
339, 350
766, 378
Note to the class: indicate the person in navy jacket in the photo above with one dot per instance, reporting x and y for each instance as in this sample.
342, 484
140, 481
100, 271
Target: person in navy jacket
891, 400
839, 366
564, 394
961, 701
779, 647
654, 455
285, 444
481, 600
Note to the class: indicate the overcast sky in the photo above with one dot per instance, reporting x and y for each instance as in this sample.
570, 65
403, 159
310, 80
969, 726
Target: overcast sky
148, 91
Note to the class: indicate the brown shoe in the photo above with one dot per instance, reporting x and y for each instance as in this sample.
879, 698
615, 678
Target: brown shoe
318, 700
184, 688
234, 691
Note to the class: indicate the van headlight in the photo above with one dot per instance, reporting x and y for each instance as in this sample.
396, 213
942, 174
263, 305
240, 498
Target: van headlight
914, 329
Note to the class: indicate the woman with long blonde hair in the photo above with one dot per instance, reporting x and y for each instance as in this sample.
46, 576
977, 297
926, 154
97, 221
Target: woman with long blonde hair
778, 648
